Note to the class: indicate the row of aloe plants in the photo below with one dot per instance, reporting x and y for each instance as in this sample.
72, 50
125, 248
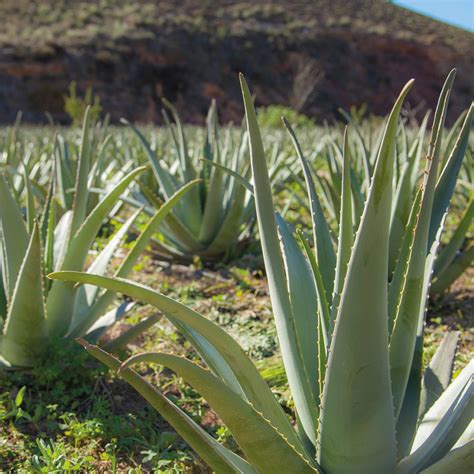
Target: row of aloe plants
56, 195
350, 323
216, 219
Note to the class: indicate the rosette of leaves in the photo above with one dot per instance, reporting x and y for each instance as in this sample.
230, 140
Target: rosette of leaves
214, 220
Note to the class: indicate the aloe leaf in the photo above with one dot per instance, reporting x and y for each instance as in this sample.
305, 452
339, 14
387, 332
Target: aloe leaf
334, 182
48, 256
14, 237
402, 156
454, 271
345, 230
449, 251
44, 221
442, 424
101, 304
254, 387
407, 421
323, 306
458, 460
401, 208
62, 295
324, 249
239, 178
310, 448
444, 411
232, 223
419, 150
25, 333
452, 136
332, 193
358, 197
11, 144
210, 354
62, 175
467, 436
304, 303
418, 398
212, 216
214, 454
47, 226
411, 307
438, 373
151, 197
61, 239
87, 294
83, 239
365, 159
265, 448
449, 175
81, 192
277, 282
440, 117
353, 436
30, 203
214, 197
3, 296
401, 269
323, 321
409, 413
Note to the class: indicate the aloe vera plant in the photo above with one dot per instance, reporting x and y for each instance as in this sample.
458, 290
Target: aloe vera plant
216, 217
457, 253
34, 310
350, 341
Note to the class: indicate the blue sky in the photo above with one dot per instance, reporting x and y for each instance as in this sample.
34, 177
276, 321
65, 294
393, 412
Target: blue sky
456, 12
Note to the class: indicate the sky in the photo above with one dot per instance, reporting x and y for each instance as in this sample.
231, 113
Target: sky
456, 12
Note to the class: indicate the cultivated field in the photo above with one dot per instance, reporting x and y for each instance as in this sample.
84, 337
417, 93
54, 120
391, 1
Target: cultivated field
373, 226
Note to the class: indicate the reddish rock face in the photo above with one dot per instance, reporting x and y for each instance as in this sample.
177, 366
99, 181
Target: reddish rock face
294, 56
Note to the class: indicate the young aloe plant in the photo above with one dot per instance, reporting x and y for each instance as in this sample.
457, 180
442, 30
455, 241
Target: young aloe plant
219, 215
214, 217
351, 344
34, 310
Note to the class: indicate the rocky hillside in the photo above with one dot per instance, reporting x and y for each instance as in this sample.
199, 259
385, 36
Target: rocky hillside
313, 55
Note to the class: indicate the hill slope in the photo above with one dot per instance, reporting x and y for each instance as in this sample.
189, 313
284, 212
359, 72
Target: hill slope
312, 55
